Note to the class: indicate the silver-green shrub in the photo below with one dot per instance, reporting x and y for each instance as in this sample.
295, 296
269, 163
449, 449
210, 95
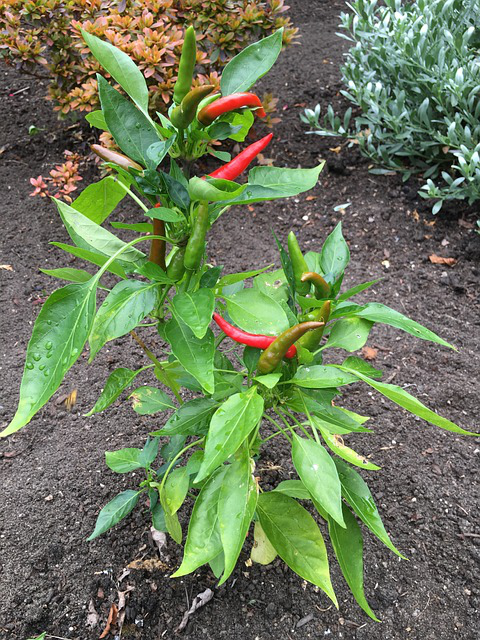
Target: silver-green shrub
414, 72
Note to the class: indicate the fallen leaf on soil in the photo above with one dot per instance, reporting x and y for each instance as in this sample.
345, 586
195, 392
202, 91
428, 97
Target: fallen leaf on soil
441, 260
308, 198
369, 353
6, 267
92, 616
111, 620
149, 564
10, 454
430, 223
415, 215
465, 224
122, 601
159, 538
336, 149
198, 602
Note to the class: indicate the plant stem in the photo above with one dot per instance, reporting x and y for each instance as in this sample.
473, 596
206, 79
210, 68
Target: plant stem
156, 362
292, 417
180, 453
279, 427
133, 196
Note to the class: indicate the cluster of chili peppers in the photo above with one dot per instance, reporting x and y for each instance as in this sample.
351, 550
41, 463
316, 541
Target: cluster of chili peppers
306, 335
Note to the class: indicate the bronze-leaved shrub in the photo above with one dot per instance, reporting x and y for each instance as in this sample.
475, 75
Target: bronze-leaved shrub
42, 37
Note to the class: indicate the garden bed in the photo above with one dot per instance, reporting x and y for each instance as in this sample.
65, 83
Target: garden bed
53, 476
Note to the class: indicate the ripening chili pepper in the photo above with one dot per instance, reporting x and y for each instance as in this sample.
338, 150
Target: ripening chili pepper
184, 114
117, 158
272, 356
311, 340
237, 165
196, 243
230, 103
256, 340
176, 266
157, 246
186, 66
298, 264
322, 288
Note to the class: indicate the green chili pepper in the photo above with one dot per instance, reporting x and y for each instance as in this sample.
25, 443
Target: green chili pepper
311, 340
184, 114
272, 356
298, 263
186, 66
196, 243
322, 288
176, 266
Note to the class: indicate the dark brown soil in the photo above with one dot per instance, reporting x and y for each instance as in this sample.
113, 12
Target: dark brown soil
53, 477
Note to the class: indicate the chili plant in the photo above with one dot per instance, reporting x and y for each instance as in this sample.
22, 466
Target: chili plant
226, 405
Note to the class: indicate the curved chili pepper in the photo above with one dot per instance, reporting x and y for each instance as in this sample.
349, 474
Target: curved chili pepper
322, 288
157, 246
298, 264
183, 115
230, 103
237, 165
176, 266
311, 340
196, 243
272, 356
117, 158
256, 340
186, 66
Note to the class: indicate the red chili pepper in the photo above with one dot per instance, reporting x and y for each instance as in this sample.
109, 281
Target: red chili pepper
230, 103
237, 165
251, 339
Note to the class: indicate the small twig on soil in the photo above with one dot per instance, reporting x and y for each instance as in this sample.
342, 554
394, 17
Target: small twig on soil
14, 94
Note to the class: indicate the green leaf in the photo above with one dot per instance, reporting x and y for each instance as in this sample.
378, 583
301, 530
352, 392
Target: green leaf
270, 380
190, 419
124, 308
153, 272
175, 490
255, 312
203, 540
116, 382
262, 551
90, 256
173, 526
269, 183
121, 67
148, 400
357, 494
294, 489
123, 460
335, 254
377, 312
410, 403
233, 278
231, 423
157, 151
213, 190
348, 546
96, 119
165, 214
338, 447
114, 511
67, 273
296, 538
195, 355
236, 506
273, 284
251, 64
195, 310
92, 237
59, 335
149, 452
357, 289
158, 518
99, 199
320, 376
131, 129
318, 473
356, 363
349, 334
139, 227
